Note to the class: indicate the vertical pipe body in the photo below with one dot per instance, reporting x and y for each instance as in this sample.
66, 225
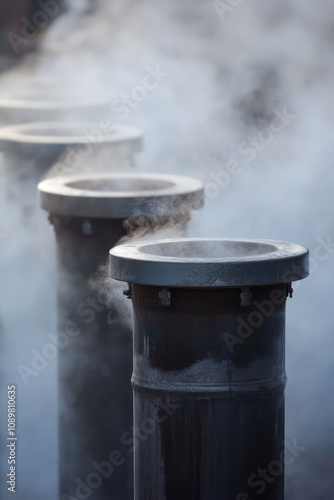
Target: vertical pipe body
95, 362
95, 399
209, 411
95, 366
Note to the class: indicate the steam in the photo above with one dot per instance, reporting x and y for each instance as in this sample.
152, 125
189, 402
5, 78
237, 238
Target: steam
93, 158
227, 77
120, 310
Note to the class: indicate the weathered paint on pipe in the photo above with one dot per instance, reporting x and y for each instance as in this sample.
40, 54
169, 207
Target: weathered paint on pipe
209, 366
226, 410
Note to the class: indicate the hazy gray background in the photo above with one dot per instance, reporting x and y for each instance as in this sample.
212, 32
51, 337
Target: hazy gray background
225, 79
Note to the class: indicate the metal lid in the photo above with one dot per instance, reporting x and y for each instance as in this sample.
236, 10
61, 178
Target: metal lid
47, 138
50, 103
205, 262
39, 103
120, 195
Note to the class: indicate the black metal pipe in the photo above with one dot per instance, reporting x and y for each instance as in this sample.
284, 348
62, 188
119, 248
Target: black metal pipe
209, 365
95, 395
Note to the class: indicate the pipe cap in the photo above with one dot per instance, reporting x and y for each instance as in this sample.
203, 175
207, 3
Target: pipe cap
49, 139
205, 262
120, 195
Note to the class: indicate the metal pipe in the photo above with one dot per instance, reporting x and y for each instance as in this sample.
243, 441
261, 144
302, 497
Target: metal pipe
30, 150
38, 103
43, 143
95, 396
209, 364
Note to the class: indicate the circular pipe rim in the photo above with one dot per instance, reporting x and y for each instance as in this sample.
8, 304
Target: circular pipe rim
26, 104
23, 134
139, 262
176, 195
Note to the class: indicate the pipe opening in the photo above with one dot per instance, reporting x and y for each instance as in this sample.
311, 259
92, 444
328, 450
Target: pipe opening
201, 262
69, 133
208, 249
121, 195
57, 131
52, 101
121, 185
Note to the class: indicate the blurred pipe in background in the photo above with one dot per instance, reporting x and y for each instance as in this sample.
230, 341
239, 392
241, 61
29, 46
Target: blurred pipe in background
30, 150
95, 361
22, 21
40, 103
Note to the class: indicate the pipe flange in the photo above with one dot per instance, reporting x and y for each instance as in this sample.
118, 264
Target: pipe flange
205, 262
121, 195
47, 138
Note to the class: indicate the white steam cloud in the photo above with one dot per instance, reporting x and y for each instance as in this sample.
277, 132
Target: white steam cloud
252, 86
